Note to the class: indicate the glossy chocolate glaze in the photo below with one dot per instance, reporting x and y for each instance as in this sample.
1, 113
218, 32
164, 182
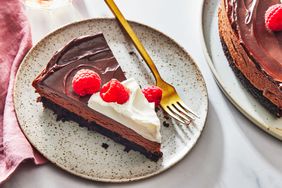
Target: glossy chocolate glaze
91, 52
263, 46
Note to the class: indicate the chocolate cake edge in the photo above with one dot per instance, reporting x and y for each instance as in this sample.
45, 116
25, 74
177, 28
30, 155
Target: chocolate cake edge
65, 115
274, 110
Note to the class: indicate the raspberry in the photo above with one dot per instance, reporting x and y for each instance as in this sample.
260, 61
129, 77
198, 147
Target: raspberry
273, 17
153, 94
114, 91
86, 82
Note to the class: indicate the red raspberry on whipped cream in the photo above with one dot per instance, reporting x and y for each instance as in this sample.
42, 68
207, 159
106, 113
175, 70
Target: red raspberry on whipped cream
114, 91
153, 94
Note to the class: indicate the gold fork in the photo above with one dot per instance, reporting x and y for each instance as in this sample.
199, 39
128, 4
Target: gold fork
171, 102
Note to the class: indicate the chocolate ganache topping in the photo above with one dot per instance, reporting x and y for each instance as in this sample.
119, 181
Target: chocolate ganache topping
264, 47
87, 52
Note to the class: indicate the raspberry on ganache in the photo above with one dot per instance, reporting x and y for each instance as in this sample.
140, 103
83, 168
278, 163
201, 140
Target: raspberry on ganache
86, 82
114, 91
153, 94
273, 17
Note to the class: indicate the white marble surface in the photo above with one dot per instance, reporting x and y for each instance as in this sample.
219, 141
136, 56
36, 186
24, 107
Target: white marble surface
231, 152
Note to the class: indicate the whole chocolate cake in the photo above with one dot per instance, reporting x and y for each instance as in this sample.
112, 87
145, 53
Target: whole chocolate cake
252, 49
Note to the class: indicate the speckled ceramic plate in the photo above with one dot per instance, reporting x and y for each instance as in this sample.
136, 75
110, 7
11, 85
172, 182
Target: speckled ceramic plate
80, 151
225, 77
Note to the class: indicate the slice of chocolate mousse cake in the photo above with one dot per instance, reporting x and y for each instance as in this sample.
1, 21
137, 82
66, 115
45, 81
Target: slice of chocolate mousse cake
131, 122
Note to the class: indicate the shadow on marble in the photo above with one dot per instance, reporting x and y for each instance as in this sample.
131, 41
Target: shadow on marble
45, 176
268, 146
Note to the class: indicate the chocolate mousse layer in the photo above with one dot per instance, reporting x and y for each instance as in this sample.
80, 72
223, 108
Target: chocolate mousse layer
54, 84
252, 50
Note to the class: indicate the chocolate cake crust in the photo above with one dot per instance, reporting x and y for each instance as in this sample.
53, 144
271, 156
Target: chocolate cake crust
65, 115
246, 83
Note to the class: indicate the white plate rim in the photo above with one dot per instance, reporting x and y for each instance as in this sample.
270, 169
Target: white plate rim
105, 179
272, 131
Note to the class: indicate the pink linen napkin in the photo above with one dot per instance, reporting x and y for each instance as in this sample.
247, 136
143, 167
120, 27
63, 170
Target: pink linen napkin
15, 41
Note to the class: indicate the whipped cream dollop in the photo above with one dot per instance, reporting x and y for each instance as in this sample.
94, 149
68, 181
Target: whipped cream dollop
137, 113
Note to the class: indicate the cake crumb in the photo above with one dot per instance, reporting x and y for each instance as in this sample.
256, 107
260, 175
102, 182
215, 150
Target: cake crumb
131, 53
165, 124
166, 117
126, 149
157, 109
39, 99
105, 146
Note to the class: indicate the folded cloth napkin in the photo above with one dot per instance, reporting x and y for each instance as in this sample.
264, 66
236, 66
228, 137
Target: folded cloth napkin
15, 41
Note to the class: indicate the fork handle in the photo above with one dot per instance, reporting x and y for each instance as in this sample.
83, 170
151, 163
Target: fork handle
139, 46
